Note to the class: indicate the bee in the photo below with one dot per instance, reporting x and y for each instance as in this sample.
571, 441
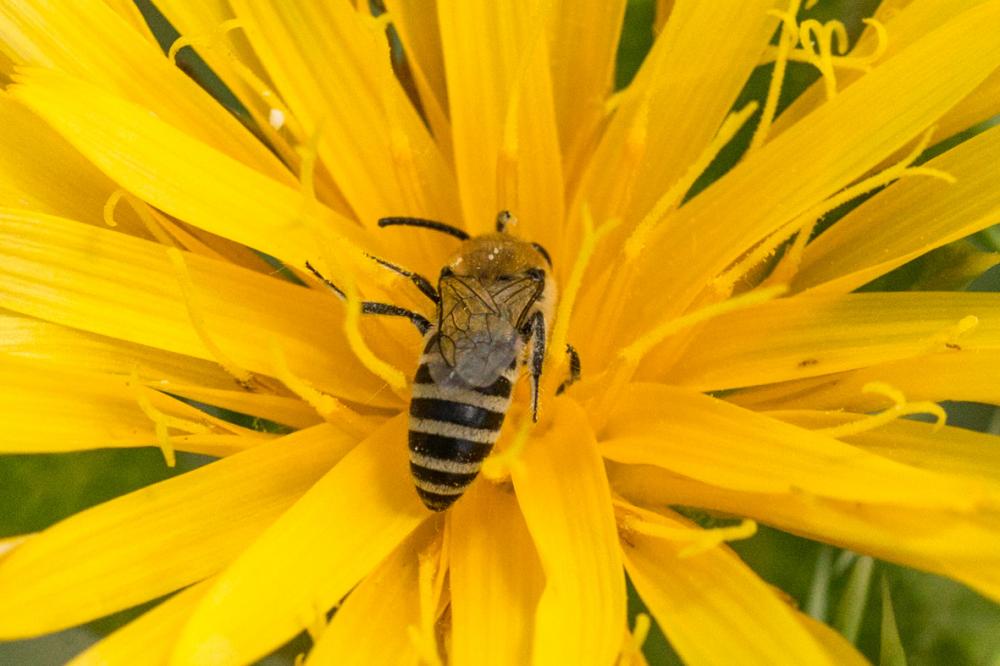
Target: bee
494, 302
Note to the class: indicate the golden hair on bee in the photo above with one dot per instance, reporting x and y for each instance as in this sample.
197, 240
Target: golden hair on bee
494, 303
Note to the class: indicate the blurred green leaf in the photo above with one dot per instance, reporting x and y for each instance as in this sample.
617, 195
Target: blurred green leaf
851, 609
891, 653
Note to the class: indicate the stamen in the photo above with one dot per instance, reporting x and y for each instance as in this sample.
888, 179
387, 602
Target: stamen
328, 407
804, 224
636, 138
507, 156
733, 123
948, 338
818, 43
861, 63
162, 421
629, 357
242, 376
788, 38
110, 205
631, 652
315, 623
900, 408
501, 464
637, 521
633, 353
307, 167
424, 638
352, 329
208, 41
588, 245
141, 209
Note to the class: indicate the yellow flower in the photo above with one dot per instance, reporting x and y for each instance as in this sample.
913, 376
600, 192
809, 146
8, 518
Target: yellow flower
717, 372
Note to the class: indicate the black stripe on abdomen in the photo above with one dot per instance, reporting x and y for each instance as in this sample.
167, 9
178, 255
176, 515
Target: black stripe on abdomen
448, 448
459, 413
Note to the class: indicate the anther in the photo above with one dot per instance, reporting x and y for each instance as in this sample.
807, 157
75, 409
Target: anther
804, 224
588, 245
818, 43
331, 409
789, 36
110, 205
242, 376
732, 124
634, 640
900, 408
700, 539
423, 638
499, 467
162, 421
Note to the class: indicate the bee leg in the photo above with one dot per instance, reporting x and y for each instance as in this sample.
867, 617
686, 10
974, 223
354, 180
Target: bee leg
371, 307
574, 369
423, 284
420, 321
535, 329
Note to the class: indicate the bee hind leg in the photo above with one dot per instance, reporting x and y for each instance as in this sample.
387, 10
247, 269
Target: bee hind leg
574, 369
535, 330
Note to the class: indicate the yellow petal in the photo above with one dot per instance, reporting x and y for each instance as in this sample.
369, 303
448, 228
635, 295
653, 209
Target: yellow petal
278, 408
157, 539
97, 410
310, 557
979, 106
799, 337
589, 30
181, 175
88, 39
417, 25
904, 25
719, 42
122, 287
41, 171
838, 648
913, 216
147, 639
718, 443
951, 450
963, 547
175, 374
957, 375
370, 139
563, 492
502, 113
712, 607
76, 350
842, 140
373, 625
210, 29
496, 579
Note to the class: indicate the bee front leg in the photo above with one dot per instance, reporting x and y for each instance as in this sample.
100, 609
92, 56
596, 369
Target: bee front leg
574, 369
535, 330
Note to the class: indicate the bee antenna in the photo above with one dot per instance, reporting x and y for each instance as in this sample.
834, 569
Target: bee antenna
424, 224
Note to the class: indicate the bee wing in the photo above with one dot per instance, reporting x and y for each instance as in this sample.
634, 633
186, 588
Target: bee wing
476, 341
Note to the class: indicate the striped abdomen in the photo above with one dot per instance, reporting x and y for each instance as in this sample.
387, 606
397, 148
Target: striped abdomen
452, 430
